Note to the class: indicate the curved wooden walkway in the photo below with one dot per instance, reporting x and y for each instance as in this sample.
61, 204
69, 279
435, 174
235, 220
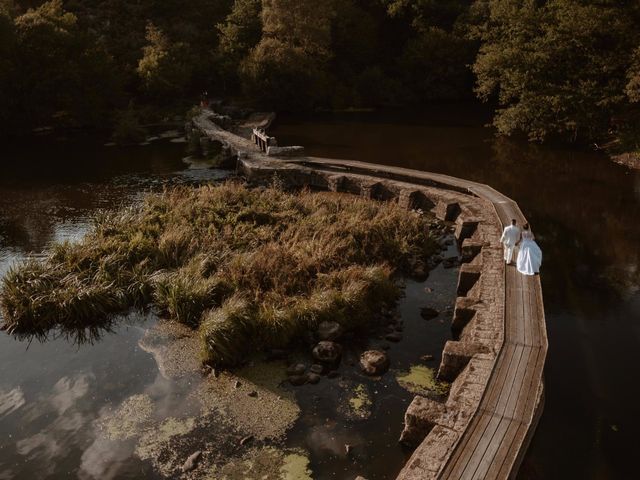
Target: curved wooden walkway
497, 435
494, 443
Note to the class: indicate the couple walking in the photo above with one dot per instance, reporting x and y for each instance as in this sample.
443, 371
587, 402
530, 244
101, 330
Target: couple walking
529, 254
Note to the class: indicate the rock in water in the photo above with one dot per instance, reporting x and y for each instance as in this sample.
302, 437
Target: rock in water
316, 368
450, 262
374, 362
296, 369
297, 380
191, 462
328, 353
393, 337
428, 313
313, 378
329, 331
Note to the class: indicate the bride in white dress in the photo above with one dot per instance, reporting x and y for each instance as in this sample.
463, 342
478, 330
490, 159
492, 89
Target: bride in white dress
530, 255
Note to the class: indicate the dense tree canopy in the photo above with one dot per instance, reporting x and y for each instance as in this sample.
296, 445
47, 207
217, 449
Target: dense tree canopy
557, 67
568, 68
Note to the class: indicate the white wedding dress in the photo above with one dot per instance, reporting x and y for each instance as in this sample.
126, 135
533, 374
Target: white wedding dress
529, 256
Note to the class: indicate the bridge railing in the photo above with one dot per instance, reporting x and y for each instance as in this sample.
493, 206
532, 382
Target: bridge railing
262, 140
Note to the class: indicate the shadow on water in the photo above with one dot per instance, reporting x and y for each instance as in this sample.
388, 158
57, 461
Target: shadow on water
585, 211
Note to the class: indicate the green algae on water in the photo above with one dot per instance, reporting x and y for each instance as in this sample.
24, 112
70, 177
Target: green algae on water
359, 403
295, 467
267, 463
151, 443
268, 414
131, 419
421, 380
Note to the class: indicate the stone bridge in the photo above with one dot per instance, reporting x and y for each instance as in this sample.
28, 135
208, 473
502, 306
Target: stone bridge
496, 360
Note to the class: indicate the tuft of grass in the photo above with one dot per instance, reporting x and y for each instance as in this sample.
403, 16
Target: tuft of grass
252, 268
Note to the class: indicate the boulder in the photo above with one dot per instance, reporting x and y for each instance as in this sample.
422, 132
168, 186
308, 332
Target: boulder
393, 337
451, 262
313, 378
328, 353
296, 369
276, 354
330, 331
429, 313
297, 380
316, 368
374, 362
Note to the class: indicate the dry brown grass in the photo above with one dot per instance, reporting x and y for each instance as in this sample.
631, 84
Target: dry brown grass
250, 268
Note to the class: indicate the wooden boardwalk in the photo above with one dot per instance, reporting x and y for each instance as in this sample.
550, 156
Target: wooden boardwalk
499, 433
497, 436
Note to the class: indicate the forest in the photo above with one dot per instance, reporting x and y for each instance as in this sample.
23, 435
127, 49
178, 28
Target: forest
564, 70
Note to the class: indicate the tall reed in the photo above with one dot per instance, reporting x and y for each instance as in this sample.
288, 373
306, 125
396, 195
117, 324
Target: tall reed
251, 268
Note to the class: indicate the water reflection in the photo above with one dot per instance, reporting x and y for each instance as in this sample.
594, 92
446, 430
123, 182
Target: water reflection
56, 388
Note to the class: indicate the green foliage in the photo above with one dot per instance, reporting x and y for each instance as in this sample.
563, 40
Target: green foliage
434, 65
633, 78
280, 75
52, 71
288, 66
251, 268
165, 67
558, 67
242, 29
7, 62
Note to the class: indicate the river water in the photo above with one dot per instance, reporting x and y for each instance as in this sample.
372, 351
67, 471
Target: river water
585, 212
60, 399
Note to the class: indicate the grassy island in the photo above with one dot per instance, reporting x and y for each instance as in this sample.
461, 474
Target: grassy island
249, 268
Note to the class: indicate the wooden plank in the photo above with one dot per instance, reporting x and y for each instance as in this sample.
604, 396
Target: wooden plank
503, 454
459, 460
481, 447
482, 430
500, 436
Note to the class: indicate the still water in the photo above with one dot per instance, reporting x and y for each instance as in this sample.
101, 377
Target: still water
60, 399
585, 212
